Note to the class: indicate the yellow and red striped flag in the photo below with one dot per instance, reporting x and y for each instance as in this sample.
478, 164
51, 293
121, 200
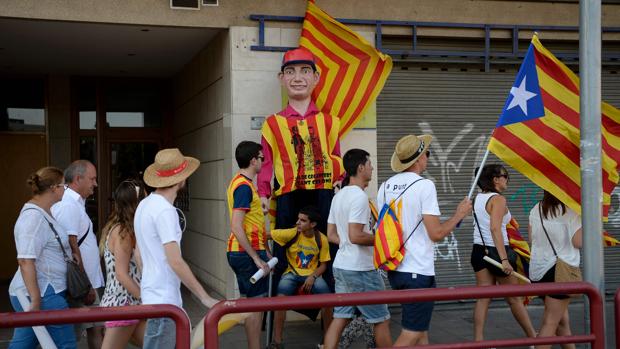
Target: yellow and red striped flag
538, 131
352, 71
609, 241
520, 246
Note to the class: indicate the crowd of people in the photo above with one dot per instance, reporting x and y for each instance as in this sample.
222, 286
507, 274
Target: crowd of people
323, 234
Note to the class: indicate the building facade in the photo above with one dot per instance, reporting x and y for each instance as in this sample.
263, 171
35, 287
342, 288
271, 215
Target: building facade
115, 81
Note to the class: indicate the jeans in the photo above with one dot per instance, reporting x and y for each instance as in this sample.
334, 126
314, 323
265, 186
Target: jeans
289, 283
160, 333
62, 335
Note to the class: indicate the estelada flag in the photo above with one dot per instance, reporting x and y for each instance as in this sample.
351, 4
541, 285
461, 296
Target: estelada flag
352, 71
538, 131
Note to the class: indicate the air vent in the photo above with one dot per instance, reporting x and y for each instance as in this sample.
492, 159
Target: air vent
210, 2
185, 4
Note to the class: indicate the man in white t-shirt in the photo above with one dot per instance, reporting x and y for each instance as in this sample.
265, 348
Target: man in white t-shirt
353, 267
415, 201
158, 235
70, 212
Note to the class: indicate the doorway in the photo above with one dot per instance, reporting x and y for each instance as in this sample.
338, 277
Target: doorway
119, 125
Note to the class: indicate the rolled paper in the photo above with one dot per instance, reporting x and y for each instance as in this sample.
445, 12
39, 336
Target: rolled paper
260, 273
499, 265
45, 340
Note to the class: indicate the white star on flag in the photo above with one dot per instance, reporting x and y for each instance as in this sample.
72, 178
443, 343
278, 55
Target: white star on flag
520, 96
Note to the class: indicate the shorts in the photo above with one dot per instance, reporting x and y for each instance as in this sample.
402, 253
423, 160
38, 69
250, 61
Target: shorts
416, 316
550, 277
350, 281
244, 267
478, 263
290, 282
160, 333
120, 323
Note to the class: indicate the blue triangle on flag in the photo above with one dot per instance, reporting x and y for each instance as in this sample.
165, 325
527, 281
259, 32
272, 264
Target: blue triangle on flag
524, 101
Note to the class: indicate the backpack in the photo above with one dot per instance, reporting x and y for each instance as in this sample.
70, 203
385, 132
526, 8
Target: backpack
389, 245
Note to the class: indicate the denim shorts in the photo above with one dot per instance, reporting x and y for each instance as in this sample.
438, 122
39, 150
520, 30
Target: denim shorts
290, 282
350, 281
160, 333
416, 316
244, 267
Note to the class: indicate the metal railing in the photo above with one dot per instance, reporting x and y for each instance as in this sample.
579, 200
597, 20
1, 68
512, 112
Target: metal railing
485, 53
596, 336
96, 314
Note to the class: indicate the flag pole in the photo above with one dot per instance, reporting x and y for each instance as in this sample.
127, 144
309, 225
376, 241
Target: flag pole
473, 184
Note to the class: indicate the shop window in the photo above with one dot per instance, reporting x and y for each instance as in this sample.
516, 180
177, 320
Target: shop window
22, 105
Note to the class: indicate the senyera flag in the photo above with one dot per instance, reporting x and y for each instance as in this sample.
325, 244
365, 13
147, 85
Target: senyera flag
520, 246
352, 71
538, 131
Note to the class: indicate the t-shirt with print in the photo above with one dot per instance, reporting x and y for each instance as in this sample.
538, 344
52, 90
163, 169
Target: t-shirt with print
156, 223
303, 253
350, 205
420, 199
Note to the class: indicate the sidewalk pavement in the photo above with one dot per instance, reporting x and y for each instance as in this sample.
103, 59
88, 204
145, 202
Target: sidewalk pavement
451, 323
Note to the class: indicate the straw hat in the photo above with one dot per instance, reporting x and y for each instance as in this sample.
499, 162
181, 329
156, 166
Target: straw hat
408, 150
170, 167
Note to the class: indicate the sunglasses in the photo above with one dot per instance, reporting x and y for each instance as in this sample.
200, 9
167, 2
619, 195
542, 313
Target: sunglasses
428, 153
505, 175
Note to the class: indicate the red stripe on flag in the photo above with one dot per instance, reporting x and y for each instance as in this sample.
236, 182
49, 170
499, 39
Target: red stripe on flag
376, 76
555, 71
340, 73
352, 50
570, 116
540, 162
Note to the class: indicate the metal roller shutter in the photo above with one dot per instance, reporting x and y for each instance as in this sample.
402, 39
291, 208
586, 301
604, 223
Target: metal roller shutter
460, 109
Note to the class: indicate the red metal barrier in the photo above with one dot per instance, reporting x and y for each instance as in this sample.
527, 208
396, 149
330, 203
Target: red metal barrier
617, 316
596, 336
70, 316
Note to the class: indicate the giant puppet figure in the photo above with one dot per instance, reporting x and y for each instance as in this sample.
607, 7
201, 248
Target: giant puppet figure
301, 147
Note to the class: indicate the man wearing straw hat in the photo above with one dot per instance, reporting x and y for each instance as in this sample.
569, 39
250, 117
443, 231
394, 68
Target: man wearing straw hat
415, 201
158, 235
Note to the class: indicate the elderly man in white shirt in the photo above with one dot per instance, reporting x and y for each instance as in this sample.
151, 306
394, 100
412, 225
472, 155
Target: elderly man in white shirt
70, 212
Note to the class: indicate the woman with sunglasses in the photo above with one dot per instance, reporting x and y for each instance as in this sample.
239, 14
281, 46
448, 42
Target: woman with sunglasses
122, 258
491, 215
41, 279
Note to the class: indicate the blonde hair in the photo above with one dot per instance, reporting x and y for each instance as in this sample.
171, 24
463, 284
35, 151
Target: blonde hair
44, 179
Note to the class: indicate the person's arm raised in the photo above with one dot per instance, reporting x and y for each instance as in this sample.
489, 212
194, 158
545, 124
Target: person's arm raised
437, 230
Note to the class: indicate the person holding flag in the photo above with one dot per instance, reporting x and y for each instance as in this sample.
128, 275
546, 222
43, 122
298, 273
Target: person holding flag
491, 215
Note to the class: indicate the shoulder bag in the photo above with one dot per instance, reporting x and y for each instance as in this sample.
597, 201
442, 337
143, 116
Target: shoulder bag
564, 272
78, 284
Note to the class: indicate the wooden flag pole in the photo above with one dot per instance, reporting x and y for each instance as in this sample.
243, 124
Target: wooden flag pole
499, 265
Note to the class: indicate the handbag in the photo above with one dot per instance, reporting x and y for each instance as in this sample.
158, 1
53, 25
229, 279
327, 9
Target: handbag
78, 284
564, 272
